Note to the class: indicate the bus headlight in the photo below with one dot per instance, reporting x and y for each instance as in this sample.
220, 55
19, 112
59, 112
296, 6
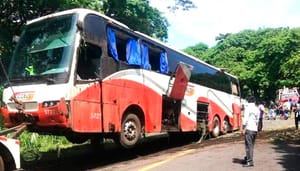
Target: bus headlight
49, 103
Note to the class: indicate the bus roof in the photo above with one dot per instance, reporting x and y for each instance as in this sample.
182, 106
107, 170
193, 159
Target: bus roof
82, 13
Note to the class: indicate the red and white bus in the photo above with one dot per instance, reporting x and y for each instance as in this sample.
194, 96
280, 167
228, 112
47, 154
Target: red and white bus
83, 75
288, 94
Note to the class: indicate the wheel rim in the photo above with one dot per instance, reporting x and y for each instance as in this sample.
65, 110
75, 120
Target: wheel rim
225, 126
216, 128
130, 130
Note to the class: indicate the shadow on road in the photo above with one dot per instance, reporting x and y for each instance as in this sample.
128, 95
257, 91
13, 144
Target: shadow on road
288, 143
86, 157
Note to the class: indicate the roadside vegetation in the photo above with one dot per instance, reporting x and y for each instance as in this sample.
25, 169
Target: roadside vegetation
33, 145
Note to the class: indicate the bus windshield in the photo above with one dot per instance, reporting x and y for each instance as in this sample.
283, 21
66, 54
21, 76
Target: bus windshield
44, 50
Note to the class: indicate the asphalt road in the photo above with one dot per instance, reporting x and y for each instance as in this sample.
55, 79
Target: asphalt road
155, 154
268, 155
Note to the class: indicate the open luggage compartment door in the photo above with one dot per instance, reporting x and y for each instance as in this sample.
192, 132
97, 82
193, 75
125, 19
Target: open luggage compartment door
182, 77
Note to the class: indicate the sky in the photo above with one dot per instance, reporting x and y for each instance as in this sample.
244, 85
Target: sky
214, 17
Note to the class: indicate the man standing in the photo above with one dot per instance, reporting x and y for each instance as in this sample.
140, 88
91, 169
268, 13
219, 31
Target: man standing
249, 130
261, 108
297, 113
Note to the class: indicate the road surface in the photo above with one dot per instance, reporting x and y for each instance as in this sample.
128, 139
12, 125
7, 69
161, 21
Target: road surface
268, 155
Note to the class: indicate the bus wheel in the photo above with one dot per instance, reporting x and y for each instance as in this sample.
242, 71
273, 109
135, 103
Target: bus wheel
130, 131
6, 161
226, 126
216, 127
2, 166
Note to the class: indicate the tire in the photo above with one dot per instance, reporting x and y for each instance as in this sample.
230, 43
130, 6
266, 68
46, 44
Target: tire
216, 127
130, 131
226, 126
2, 165
6, 161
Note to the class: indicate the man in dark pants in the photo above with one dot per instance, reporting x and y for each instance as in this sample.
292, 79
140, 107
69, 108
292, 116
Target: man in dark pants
249, 129
297, 113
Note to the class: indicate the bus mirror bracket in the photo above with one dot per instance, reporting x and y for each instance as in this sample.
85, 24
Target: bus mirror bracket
79, 25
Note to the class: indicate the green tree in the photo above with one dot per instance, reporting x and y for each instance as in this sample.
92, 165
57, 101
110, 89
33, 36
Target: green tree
138, 15
264, 59
198, 50
182, 4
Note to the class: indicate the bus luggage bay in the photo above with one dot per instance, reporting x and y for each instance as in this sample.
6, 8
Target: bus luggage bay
83, 75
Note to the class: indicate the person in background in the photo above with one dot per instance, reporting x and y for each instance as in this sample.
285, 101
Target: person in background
279, 110
297, 113
286, 109
261, 108
249, 130
272, 113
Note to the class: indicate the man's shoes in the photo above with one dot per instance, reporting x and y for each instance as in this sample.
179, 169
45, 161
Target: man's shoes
245, 160
248, 164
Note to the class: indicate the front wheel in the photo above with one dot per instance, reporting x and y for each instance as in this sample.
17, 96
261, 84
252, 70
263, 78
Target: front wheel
130, 131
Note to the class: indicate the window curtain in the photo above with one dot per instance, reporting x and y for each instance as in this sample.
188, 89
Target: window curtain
163, 63
112, 44
133, 55
145, 57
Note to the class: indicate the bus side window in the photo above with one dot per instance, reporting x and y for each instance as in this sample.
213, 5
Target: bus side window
89, 61
158, 60
117, 44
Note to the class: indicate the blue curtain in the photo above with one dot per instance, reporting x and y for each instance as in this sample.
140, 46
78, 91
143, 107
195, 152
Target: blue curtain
112, 44
163, 63
145, 57
133, 55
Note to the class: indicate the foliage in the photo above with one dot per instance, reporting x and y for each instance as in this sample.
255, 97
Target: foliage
182, 4
32, 144
198, 50
264, 59
138, 15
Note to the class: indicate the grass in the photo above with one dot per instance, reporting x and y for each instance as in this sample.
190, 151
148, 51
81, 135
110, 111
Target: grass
33, 145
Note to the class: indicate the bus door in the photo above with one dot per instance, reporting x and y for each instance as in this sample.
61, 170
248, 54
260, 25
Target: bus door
86, 105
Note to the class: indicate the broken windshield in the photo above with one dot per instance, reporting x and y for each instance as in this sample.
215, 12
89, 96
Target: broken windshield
45, 48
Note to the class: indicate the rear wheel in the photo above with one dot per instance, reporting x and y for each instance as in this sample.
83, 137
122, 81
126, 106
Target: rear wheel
216, 127
130, 131
226, 126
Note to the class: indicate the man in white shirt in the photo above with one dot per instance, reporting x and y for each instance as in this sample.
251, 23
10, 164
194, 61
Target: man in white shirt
249, 129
